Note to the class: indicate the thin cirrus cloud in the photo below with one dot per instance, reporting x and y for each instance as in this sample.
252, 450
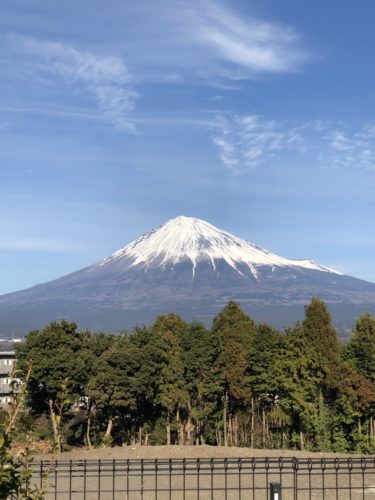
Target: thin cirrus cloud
250, 46
245, 142
37, 245
208, 42
105, 79
175, 42
350, 147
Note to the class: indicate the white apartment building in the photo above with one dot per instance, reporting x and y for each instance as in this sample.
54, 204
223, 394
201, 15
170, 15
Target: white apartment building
7, 361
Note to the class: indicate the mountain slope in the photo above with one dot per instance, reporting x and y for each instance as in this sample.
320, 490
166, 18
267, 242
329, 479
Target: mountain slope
189, 266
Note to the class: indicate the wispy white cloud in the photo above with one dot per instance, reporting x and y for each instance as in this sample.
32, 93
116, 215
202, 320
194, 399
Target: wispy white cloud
175, 42
38, 245
55, 111
105, 79
350, 148
250, 45
215, 98
245, 142
181, 41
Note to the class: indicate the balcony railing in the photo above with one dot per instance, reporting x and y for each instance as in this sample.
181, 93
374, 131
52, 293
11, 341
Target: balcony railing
5, 369
5, 388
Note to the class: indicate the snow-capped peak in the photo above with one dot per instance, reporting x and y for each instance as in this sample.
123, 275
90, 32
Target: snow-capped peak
188, 238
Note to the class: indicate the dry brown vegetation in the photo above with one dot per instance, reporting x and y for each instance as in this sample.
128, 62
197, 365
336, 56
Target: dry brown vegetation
174, 451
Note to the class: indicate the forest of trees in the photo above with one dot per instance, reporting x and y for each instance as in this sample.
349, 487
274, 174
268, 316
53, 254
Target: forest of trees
238, 383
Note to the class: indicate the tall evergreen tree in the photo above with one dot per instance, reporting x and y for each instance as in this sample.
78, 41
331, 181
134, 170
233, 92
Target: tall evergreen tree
360, 351
318, 328
233, 331
300, 382
152, 347
361, 348
115, 389
173, 394
262, 377
198, 354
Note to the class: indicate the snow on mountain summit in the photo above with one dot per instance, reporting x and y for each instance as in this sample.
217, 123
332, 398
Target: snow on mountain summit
188, 238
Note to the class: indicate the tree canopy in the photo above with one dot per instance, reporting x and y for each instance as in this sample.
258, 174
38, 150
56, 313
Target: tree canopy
236, 383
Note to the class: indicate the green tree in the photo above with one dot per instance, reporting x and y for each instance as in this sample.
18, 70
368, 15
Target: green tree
299, 390
152, 348
361, 348
263, 375
60, 369
198, 355
233, 332
173, 394
360, 351
115, 389
352, 415
317, 327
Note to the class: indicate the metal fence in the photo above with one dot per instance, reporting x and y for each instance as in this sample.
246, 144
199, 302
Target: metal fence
209, 479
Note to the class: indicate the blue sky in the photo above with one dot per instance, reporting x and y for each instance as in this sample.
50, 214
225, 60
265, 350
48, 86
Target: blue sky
256, 116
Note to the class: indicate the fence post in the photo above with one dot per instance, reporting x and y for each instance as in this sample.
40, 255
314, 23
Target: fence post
275, 491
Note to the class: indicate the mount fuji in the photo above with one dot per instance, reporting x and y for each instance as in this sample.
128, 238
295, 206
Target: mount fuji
192, 268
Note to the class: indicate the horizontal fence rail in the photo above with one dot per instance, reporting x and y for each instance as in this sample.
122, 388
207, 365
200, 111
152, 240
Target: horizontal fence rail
208, 479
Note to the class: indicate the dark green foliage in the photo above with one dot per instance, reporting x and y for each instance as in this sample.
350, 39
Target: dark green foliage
115, 388
57, 354
199, 353
75, 428
237, 383
264, 362
173, 396
263, 382
317, 327
233, 332
361, 348
62, 363
300, 386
